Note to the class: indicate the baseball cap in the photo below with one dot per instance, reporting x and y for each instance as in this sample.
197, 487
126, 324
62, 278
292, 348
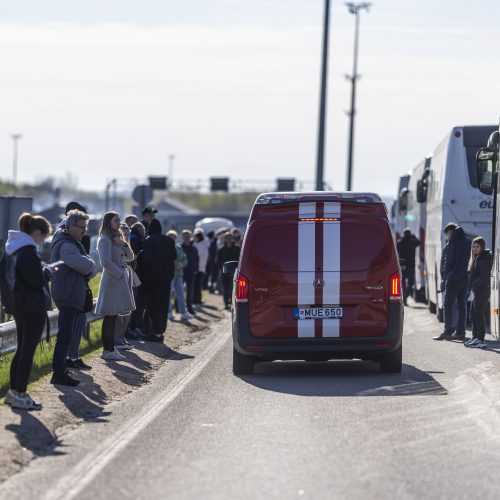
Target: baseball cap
74, 205
149, 210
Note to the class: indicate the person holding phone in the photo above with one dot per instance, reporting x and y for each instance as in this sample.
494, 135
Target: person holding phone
26, 295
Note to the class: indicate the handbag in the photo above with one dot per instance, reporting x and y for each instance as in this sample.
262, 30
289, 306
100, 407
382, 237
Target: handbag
136, 282
88, 305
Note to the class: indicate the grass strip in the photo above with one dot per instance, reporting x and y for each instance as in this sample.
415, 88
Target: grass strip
42, 362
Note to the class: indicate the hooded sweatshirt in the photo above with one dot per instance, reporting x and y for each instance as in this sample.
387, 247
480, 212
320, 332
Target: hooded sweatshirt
30, 292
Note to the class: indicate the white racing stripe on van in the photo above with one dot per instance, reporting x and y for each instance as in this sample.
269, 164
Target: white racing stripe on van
306, 259
331, 267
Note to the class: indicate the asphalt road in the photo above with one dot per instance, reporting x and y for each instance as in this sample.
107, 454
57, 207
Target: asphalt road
292, 430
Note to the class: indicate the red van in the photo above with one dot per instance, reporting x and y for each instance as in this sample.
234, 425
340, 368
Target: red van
318, 279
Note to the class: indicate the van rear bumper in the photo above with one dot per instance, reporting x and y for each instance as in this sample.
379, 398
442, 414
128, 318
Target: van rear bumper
317, 349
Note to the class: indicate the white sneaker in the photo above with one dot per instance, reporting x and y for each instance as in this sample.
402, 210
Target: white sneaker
480, 344
197, 307
472, 342
186, 316
24, 403
11, 396
112, 356
171, 317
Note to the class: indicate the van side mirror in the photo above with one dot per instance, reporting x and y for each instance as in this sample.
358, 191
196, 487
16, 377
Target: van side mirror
485, 164
403, 265
229, 268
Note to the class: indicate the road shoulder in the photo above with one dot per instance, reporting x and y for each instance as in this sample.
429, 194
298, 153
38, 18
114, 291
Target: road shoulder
25, 436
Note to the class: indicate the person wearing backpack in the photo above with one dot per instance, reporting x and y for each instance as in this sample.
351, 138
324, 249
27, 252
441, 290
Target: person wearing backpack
69, 289
26, 295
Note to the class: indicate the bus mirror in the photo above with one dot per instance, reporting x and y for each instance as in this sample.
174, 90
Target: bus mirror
422, 191
485, 164
403, 201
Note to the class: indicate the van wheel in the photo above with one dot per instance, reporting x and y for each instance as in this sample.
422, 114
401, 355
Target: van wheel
392, 362
432, 307
242, 364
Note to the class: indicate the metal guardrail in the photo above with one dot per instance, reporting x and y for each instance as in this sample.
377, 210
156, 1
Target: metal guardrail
8, 334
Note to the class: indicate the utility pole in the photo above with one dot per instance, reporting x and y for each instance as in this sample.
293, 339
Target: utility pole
322, 103
15, 139
171, 159
354, 8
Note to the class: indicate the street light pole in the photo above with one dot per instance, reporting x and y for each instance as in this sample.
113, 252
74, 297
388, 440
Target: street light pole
354, 8
171, 159
15, 139
322, 103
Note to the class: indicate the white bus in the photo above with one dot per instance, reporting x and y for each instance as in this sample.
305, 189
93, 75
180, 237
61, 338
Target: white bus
454, 196
416, 218
398, 209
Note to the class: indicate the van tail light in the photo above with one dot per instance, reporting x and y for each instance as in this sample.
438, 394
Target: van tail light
241, 289
395, 288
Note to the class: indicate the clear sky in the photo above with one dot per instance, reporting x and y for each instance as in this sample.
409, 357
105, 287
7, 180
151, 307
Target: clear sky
109, 88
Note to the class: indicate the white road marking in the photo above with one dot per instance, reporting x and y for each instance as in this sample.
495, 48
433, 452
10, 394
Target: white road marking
70, 485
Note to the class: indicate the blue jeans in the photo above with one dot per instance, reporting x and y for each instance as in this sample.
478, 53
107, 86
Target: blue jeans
178, 292
68, 317
76, 336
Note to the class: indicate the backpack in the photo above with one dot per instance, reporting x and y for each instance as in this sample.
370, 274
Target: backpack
7, 281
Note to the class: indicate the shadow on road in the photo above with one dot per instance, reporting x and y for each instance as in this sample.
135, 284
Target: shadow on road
342, 378
34, 436
161, 350
86, 401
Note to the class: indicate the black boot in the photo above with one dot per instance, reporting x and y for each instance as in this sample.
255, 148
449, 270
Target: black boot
63, 378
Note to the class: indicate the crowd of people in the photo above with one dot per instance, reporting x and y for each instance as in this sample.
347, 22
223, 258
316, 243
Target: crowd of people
147, 275
465, 279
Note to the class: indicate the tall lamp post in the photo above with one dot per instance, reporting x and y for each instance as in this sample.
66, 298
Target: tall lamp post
15, 139
171, 159
322, 102
354, 8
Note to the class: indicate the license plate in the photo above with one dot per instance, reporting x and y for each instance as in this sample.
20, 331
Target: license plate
318, 312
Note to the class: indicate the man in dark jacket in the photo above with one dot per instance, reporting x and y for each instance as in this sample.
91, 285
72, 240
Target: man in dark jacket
69, 288
156, 268
406, 250
191, 269
455, 281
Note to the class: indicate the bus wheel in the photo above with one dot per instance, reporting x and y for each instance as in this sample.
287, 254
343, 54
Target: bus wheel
440, 314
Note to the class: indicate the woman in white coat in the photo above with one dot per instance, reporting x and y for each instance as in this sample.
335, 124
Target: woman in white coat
115, 290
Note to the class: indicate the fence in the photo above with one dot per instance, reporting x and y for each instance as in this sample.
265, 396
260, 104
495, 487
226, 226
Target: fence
8, 338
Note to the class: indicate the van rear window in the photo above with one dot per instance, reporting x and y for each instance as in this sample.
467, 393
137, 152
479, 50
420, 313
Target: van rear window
275, 248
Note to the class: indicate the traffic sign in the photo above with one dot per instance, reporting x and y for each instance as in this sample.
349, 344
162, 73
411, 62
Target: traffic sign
142, 194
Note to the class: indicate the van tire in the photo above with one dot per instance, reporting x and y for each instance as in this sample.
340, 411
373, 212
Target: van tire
242, 364
392, 362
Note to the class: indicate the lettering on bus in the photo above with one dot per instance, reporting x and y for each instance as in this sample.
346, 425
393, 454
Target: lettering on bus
486, 204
